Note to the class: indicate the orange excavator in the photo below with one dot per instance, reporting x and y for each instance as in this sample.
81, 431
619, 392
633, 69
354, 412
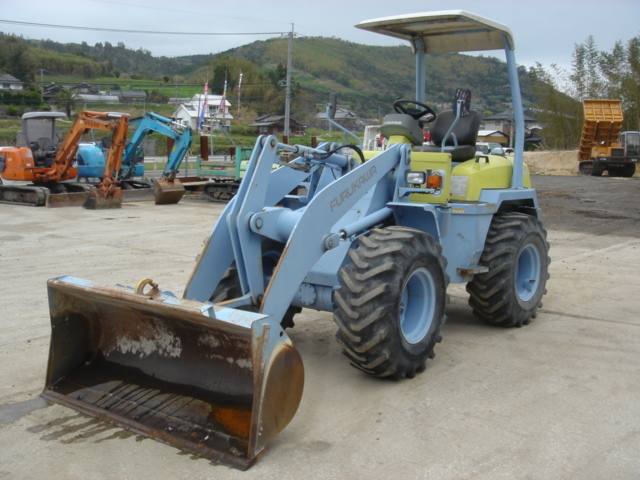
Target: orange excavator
109, 193
49, 175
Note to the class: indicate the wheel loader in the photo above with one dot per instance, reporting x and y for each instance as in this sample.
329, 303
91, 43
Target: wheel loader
375, 237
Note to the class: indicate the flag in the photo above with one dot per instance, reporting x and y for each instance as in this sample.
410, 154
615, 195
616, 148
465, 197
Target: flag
239, 87
204, 106
223, 100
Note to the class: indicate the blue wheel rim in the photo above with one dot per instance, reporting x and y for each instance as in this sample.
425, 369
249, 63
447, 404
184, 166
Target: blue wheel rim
417, 305
527, 276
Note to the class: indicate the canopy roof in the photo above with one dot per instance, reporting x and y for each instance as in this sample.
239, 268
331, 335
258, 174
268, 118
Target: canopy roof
443, 32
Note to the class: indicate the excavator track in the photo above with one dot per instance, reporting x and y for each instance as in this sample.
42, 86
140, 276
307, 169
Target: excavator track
221, 191
24, 195
52, 196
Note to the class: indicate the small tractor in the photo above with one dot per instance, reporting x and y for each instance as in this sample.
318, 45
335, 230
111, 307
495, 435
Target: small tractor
375, 237
602, 146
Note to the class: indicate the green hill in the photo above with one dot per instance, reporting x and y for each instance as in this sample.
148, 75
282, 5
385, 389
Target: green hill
367, 78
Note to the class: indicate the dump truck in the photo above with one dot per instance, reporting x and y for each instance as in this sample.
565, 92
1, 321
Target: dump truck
49, 167
375, 237
602, 146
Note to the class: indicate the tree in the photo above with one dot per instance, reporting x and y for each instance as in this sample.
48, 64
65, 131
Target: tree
559, 112
586, 75
67, 100
595, 75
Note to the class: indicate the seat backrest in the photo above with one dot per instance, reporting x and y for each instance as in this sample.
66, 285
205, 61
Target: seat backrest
465, 131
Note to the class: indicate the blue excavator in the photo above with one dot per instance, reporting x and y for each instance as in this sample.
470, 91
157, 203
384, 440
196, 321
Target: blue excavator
168, 189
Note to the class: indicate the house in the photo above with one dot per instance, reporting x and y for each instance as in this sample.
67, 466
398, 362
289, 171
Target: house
216, 115
130, 96
83, 92
50, 91
504, 122
9, 82
274, 125
346, 118
493, 136
84, 88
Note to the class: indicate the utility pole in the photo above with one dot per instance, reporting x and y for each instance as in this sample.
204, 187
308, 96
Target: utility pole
287, 102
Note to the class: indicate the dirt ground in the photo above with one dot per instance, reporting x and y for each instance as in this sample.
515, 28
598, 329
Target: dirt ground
593, 205
556, 399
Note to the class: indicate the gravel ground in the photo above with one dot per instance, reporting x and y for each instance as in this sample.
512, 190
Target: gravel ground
591, 205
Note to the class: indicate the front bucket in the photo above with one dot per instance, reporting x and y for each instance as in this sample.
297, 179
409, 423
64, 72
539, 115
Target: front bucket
212, 381
100, 199
167, 192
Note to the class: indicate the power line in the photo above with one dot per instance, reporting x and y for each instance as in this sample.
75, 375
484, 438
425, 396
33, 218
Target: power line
148, 32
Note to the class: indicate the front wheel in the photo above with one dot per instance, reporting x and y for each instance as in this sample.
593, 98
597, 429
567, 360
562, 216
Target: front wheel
391, 302
516, 253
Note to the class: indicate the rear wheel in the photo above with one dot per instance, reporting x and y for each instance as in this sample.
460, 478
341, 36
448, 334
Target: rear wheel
391, 302
517, 255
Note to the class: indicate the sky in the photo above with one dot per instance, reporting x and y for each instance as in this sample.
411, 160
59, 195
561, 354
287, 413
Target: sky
545, 31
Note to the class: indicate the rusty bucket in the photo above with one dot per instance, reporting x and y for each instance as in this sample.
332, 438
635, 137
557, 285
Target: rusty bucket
212, 381
168, 191
100, 199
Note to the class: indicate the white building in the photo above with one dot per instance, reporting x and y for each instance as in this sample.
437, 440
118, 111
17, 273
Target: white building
188, 113
9, 82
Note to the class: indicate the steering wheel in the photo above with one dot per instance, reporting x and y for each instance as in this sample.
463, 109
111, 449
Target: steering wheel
402, 106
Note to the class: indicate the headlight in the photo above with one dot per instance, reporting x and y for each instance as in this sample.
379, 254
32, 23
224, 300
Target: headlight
416, 178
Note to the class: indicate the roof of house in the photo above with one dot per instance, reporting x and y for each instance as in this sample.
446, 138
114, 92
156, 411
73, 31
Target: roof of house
507, 115
341, 114
6, 78
193, 112
270, 119
129, 93
212, 100
491, 133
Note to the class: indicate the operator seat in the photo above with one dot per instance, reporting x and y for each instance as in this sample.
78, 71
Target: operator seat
43, 151
461, 141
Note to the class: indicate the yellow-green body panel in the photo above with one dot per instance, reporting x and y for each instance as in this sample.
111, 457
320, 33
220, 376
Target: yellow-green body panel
469, 178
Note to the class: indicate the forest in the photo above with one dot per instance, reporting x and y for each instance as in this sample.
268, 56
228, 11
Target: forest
367, 78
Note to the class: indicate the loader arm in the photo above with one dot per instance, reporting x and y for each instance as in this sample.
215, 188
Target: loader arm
308, 232
86, 121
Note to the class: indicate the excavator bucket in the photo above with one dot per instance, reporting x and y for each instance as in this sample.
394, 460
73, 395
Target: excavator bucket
168, 191
212, 381
100, 199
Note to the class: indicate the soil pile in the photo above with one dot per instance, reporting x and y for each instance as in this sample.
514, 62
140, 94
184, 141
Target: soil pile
552, 162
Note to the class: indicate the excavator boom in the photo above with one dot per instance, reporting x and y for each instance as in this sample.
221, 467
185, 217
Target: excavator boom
109, 194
